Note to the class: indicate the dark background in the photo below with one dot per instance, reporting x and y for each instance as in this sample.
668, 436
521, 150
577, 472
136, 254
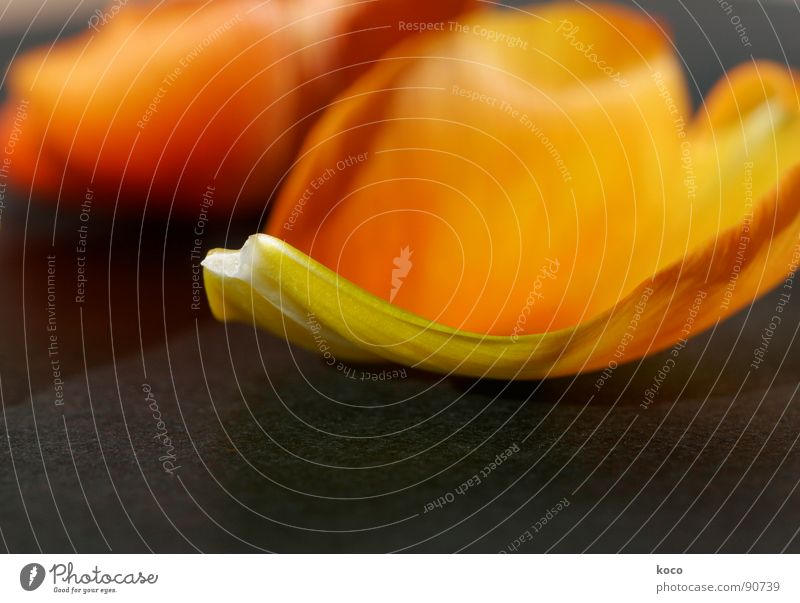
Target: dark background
277, 452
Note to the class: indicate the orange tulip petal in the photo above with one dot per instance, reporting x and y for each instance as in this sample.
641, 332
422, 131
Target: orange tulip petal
468, 208
498, 163
170, 98
291, 295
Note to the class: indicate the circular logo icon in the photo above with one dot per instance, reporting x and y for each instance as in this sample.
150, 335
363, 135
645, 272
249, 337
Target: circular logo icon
31, 576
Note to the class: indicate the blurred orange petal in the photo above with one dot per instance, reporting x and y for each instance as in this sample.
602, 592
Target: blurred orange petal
168, 98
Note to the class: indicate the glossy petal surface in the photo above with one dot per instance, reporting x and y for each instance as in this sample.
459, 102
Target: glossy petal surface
531, 202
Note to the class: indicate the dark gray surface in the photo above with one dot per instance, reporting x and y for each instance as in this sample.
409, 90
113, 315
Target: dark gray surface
278, 452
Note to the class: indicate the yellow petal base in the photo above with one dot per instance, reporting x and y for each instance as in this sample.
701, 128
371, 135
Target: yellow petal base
272, 285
